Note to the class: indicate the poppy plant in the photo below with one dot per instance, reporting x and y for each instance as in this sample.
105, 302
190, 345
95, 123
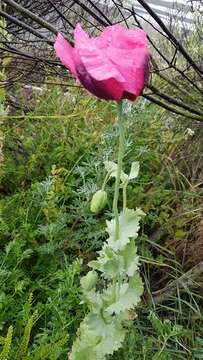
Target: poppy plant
111, 66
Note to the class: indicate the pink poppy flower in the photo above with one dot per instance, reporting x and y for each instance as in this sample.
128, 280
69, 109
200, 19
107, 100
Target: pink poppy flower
111, 66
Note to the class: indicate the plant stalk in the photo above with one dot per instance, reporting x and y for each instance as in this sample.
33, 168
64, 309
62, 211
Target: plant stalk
119, 169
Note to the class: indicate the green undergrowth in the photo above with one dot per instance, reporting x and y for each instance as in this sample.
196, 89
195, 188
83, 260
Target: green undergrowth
53, 161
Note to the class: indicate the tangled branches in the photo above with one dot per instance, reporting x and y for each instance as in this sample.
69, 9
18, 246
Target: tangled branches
176, 61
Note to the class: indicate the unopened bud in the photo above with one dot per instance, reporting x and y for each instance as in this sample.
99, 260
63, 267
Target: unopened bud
99, 201
89, 281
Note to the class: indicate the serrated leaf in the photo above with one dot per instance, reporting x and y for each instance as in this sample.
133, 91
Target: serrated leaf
91, 346
84, 345
125, 296
128, 228
94, 300
109, 263
99, 325
121, 262
130, 258
111, 343
134, 171
89, 280
112, 168
109, 329
165, 328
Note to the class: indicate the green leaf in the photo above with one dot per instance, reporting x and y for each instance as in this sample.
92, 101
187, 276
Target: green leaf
96, 339
109, 329
112, 168
124, 297
109, 263
84, 345
120, 263
165, 328
128, 228
94, 300
134, 171
111, 343
130, 257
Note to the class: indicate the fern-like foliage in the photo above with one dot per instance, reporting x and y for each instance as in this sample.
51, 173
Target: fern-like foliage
26, 337
117, 290
4, 355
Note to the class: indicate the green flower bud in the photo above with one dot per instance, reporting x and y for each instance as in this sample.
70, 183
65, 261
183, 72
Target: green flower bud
89, 281
99, 201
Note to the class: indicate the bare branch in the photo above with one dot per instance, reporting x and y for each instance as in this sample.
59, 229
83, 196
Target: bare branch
171, 36
29, 14
171, 108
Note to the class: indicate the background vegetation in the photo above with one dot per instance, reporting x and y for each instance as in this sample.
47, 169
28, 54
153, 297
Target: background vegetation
53, 149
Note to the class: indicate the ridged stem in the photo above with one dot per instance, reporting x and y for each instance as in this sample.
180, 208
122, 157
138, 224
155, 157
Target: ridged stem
119, 169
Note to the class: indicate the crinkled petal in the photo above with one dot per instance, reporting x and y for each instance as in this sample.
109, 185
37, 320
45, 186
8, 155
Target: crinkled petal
113, 65
65, 52
120, 37
109, 89
94, 59
81, 38
133, 68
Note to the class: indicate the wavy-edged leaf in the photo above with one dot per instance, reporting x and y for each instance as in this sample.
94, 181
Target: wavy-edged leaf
84, 345
110, 329
130, 257
112, 168
112, 342
128, 228
109, 263
97, 338
125, 296
122, 262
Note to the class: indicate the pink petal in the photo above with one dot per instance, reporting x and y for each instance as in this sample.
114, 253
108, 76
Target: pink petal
109, 89
120, 37
94, 59
81, 37
65, 52
113, 65
132, 68
94, 71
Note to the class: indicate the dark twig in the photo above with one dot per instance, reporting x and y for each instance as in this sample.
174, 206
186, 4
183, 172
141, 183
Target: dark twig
60, 14
174, 101
100, 12
120, 12
90, 12
25, 26
171, 36
30, 14
171, 108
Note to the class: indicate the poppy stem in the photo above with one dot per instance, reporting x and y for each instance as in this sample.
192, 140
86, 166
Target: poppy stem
119, 168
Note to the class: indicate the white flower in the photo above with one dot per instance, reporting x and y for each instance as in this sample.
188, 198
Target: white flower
189, 132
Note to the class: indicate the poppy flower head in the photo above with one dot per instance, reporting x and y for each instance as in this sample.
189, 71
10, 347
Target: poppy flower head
111, 66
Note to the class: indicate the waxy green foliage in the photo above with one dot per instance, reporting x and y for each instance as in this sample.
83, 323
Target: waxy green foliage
118, 288
111, 168
128, 228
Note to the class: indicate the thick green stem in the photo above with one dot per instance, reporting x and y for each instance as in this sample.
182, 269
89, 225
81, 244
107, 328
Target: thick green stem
119, 169
125, 196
